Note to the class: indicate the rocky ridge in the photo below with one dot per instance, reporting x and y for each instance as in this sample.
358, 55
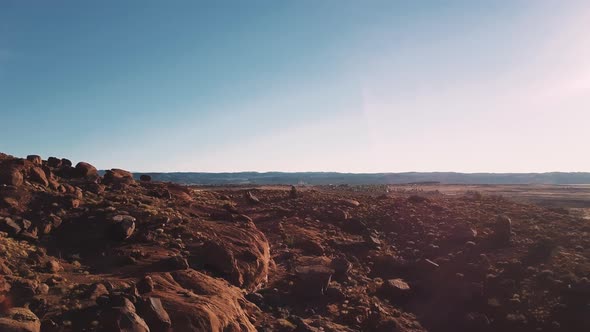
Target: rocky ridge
84, 252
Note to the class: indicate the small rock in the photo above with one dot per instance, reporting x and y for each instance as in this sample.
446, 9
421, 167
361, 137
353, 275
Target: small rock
145, 285
96, 290
43, 288
251, 198
176, 263
9, 226
53, 266
73, 203
396, 290
293, 193
341, 266
350, 202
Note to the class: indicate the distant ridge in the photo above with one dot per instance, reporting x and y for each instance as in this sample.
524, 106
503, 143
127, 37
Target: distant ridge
323, 178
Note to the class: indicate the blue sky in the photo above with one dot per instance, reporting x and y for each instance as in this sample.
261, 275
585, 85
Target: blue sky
353, 86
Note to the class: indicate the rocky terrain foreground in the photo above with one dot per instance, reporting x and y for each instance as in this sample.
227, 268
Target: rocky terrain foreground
83, 252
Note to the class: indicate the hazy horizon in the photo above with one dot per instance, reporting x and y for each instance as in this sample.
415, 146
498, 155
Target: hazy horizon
301, 86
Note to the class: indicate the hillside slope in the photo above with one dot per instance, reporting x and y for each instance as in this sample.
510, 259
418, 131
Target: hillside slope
84, 252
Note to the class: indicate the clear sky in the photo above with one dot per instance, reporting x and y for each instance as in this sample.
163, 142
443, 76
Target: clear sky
304, 85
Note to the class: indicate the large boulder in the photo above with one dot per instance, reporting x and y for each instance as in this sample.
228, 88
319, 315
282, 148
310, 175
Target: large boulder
19, 320
503, 229
238, 253
53, 162
37, 174
213, 305
153, 313
313, 280
396, 290
84, 169
145, 178
122, 319
122, 230
66, 162
116, 175
35, 159
11, 176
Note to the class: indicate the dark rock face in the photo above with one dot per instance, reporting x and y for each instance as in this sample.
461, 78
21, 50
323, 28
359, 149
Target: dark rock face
84, 169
